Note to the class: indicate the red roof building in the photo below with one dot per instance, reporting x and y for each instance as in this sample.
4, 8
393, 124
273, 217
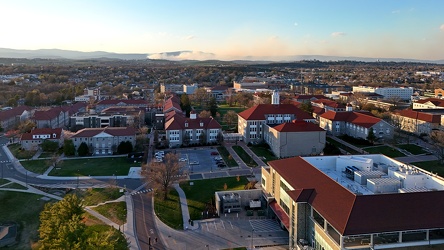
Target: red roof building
252, 120
32, 140
9, 118
355, 124
295, 138
429, 103
104, 141
417, 122
355, 202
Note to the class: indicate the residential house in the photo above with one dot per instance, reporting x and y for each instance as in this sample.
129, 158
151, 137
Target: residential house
181, 130
328, 105
12, 117
33, 139
355, 124
417, 122
104, 141
354, 202
251, 121
294, 138
109, 117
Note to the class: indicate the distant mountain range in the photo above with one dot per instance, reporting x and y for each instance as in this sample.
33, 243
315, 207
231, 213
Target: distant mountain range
182, 55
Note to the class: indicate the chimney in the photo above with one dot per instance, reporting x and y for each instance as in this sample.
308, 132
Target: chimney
193, 115
275, 98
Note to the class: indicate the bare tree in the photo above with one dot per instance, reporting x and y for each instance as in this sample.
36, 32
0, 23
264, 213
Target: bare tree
230, 118
162, 174
437, 137
204, 114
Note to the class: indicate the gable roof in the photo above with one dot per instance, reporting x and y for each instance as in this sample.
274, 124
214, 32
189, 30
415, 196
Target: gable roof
308, 97
115, 131
127, 102
42, 131
10, 113
365, 120
177, 122
52, 113
353, 214
297, 126
258, 112
422, 116
329, 103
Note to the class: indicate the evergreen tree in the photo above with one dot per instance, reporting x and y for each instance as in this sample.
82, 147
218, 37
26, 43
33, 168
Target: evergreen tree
213, 106
371, 137
83, 149
185, 104
68, 148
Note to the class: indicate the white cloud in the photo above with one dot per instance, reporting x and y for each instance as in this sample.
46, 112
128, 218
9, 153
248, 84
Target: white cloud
190, 37
441, 27
296, 24
338, 34
396, 11
183, 55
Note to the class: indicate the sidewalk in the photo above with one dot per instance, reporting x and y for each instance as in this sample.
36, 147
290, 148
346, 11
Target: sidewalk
184, 208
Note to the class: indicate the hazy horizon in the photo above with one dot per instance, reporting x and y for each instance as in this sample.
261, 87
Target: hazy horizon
229, 30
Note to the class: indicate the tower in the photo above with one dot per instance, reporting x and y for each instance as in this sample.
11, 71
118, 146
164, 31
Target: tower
275, 97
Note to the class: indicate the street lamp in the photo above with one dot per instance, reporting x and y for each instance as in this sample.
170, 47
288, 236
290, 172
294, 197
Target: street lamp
77, 178
252, 234
26, 178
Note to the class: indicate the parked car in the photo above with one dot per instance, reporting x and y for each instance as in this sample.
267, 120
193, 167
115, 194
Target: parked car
222, 165
194, 163
183, 159
217, 158
214, 153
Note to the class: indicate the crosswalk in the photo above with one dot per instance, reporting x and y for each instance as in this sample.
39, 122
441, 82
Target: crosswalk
142, 191
267, 225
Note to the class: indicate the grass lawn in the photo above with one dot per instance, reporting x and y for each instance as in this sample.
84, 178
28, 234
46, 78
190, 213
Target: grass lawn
93, 166
36, 166
24, 209
46, 155
386, 150
94, 196
412, 148
263, 152
14, 185
223, 109
201, 193
21, 154
115, 211
4, 181
244, 156
227, 157
342, 146
431, 166
169, 210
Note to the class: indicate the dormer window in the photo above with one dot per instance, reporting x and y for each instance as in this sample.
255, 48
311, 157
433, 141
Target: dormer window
186, 124
201, 124
53, 135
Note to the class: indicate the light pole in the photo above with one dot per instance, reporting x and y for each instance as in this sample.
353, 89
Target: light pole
77, 178
2, 169
252, 234
26, 178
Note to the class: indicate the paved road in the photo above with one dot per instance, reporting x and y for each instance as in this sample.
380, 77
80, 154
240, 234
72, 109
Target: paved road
145, 226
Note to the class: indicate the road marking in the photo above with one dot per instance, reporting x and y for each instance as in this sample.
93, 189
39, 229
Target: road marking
207, 226
215, 226
223, 224
231, 225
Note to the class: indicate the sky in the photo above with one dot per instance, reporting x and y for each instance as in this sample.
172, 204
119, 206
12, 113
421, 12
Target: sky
229, 29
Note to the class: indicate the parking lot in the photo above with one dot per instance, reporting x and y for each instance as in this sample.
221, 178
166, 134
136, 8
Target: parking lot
197, 160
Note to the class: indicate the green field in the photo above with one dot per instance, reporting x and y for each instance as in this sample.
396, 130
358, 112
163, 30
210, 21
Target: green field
414, 149
262, 153
94, 196
23, 209
244, 156
169, 210
227, 157
385, 150
201, 193
93, 167
21, 154
115, 211
36, 166
431, 166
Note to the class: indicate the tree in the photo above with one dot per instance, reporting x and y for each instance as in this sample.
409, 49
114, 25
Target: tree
125, 147
230, 118
203, 138
26, 126
213, 106
201, 97
185, 104
371, 137
69, 148
204, 114
83, 149
186, 139
49, 146
162, 174
307, 107
61, 224
1, 128
54, 160
437, 137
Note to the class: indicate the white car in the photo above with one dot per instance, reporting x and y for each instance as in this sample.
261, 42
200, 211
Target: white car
183, 159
